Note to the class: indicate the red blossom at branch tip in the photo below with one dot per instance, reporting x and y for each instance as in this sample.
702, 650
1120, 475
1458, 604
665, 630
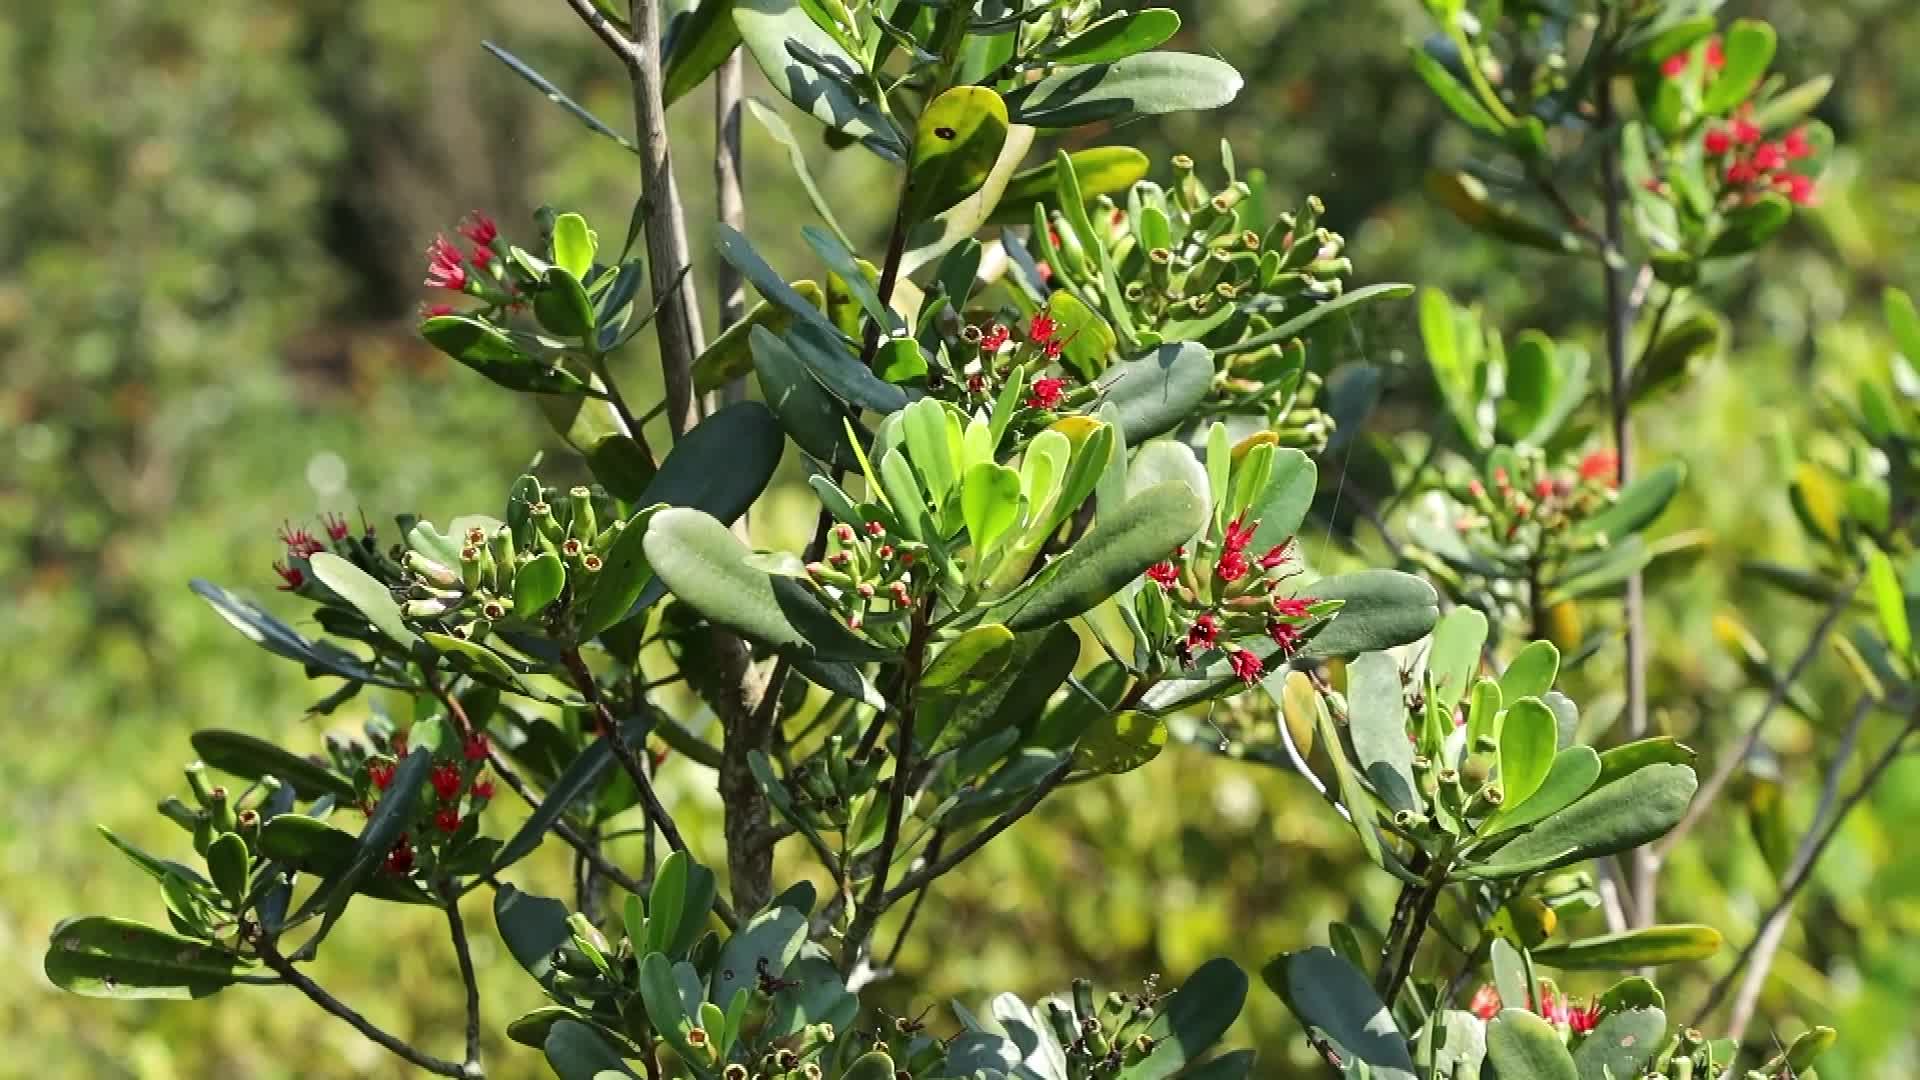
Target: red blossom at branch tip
290, 576
445, 270
1246, 665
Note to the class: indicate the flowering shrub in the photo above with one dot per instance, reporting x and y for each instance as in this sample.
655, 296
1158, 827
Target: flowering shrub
1061, 438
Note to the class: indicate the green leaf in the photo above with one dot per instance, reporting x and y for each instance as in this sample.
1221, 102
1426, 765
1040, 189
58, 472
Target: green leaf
1331, 995
1156, 393
1102, 170
1807, 1049
1377, 722
1120, 742
1089, 340
595, 429
1746, 227
811, 416
1115, 552
561, 305
1527, 739
1191, 1020
1624, 814
580, 779
959, 138
834, 365
1642, 501
990, 505
683, 894
811, 69
99, 956
1466, 197
1624, 1044
624, 571
540, 83
1149, 84
1521, 1046
367, 596
1529, 412
537, 584
971, 660
1454, 94
1117, 37
1571, 775
700, 43
1903, 322
1883, 582
533, 927
797, 158
872, 1065
1531, 672
389, 819
739, 253
1629, 758
1298, 325
900, 361
574, 246
577, 1052
1379, 609
1748, 45
769, 940
1281, 506
493, 354
1678, 351
1458, 370
284, 641
1666, 944
314, 847
706, 565
930, 241
255, 759
1454, 658
746, 437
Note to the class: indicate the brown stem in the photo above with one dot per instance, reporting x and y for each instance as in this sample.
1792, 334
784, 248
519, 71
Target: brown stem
465, 958
291, 975
899, 790
933, 869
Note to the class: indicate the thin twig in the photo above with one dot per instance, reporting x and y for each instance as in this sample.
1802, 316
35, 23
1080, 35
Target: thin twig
933, 869
899, 789
919, 898
464, 955
270, 955
1724, 769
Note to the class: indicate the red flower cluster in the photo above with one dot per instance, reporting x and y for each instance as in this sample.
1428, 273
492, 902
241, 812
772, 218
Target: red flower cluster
1241, 614
1676, 65
1752, 164
1601, 466
1047, 392
445, 268
1554, 1008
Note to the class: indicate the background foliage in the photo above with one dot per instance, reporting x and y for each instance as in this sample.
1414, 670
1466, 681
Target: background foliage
210, 225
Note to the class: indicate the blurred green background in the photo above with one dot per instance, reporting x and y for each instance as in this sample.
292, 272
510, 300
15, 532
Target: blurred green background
211, 223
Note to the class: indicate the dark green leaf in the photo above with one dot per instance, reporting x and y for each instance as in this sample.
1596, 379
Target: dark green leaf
1329, 994
1621, 815
255, 758
1624, 1044
105, 957
1145, 85
540, 83
1666, 944
811, 69
1192, 1020
1158, 392
700, 43
1521, 1046
1116, 552
1380, 609
960, 136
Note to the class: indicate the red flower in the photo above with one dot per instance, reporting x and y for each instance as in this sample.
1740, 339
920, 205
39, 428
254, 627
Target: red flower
1675, 66
1741, 173
444, 268
1277, 554
1246, 665
1797, 188
995, 338
1583, 1019
480, 229
474, 748
1046, 392
400, 859
1543, 488
1284, 634
1796, 145
483, 789
1163, 574
1768, 157
1040, 330
434, 311
380, 773
875, 528
446, 819
1232, 566
1744, 131
976, 384
1239, 535
446, 780
1204, 632
290, 576
1486, 1002
1052, 349
1601, 465
300, 543
1554, 1009
337, 527
1716, 53
1293, 608
1717, 141
482, 256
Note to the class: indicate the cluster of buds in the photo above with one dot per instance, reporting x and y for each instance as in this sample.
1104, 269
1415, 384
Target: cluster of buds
1750, 164
445, 816
1524, 501
1555, 1008
825, 787
576, 528
868, 578
302, 545
216, 811
1222, 594
1109, 1037
479, 271
989, 360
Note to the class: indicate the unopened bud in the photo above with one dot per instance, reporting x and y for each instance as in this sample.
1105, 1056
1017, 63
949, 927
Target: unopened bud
843, 532
583, 523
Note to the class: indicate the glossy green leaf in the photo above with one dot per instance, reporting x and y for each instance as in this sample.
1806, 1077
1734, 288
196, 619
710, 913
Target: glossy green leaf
532, 927
959, 138
730, 356
1156, 393
1629, 758
989, 503
1573, 773
1102, 170
1746, 227
746, 437
706, 566
106, 957
1748, 47
1531, 672
1521, 1046
1281, 506
1331, 995
1647, 947
1145, 85
1639, 504
367, 596
1298, 325
495, 355
1377, 722
624, 571
930, 241
1889, 601
1527, 740
1452, 93
811, 69
1454, 658
739, 253
537, 584
1089, 340
1380, 609
561, 305
284, 641
677, 909
1120, 742
1466, 197
1191, 1020
579, 780
1678, 351
1117, 37
578, 1052
767, 942
700, 43
1634, 810
1624, 1044
811, 416
389, 819
595, 429
835, 366
970, 660
255, 758
1114, 553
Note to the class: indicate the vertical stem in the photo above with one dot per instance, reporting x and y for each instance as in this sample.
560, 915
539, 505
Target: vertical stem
728, 162
465, 957
869, 910
678, 325
1646, 867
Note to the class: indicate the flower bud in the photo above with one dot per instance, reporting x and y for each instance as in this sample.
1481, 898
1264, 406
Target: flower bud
583, 523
